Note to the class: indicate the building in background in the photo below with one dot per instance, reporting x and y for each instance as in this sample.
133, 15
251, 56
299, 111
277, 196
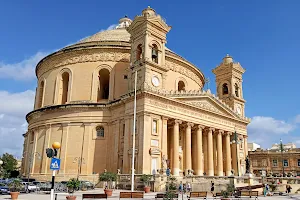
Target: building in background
253, 146
285, 146
276, 162
85, 101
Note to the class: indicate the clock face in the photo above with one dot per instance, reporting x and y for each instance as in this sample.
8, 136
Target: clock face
238, 110
155, 81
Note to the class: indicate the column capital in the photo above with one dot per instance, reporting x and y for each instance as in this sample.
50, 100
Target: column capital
220, 132
245, 136
229, 133
201, 127
164, 118
177, 121
189, 124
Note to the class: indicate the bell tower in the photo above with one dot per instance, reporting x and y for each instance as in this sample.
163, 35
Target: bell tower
229, 79
148, 38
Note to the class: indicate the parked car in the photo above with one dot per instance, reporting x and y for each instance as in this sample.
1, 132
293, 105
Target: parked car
87, 184
29, 187
4, 189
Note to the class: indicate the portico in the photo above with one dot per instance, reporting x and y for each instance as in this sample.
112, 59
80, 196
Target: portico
192, 153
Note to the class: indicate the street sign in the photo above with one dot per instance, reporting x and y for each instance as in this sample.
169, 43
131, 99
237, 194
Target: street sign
168, 171
55, 164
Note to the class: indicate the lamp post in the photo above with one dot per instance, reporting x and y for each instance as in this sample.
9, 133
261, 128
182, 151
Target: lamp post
31, 156
281, 150
236, 141
1, 163
133, 135
80, 161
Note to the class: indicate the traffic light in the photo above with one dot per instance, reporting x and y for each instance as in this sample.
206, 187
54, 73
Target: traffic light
49, 152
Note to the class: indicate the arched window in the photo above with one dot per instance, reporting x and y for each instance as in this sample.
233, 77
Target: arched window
181, 86
41, 94
154, 53
225, 88
103, 88
100, 131
236, 90
139, 52
65, 87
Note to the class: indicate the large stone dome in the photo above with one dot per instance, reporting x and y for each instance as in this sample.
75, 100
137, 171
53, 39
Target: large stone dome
116, 35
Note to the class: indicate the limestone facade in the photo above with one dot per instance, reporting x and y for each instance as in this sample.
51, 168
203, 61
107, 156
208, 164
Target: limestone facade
85, 98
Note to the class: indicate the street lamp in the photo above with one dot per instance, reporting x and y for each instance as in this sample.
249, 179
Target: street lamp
31, 156
281, 150
1, 163
134, 130
80, 161
236, 141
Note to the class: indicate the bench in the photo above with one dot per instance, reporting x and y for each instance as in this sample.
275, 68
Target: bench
164, 196
131, 195
197, 195
248, 193
94, 196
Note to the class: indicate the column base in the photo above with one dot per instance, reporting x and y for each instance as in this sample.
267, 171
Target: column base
175, 172
220, 173
211, 173
199, 172
228, 173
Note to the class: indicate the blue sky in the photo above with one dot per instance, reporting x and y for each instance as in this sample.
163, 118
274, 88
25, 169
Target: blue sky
264, 36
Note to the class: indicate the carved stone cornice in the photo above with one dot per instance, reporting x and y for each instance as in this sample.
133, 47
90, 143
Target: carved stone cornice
81, 56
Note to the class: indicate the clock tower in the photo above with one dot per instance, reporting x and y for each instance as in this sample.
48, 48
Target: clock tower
148, 38
229, 79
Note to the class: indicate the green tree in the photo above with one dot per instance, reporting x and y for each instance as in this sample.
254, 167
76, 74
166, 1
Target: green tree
9, 165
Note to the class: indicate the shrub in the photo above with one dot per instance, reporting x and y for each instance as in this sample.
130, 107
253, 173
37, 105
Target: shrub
145, 178
72, 185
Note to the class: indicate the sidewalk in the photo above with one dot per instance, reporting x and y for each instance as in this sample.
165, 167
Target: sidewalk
62, 196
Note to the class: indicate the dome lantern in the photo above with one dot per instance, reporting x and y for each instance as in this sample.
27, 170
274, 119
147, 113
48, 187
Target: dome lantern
124, 22
227, 59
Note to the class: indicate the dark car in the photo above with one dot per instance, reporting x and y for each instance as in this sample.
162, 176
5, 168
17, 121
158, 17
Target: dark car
4, 189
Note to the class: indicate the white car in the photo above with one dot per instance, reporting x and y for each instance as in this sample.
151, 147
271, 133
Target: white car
31, 187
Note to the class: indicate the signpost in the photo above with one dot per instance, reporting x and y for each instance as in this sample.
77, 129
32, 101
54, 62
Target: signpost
54, 165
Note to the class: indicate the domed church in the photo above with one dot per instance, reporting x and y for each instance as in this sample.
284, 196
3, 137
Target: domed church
85, 100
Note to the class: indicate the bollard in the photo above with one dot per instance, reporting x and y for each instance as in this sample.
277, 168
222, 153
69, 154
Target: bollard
55, 196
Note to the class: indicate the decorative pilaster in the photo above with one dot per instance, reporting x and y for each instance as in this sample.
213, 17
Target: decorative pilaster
164, 137
45, 160
246, 145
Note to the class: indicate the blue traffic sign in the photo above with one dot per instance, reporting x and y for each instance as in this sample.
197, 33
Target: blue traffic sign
168, 171
55, 164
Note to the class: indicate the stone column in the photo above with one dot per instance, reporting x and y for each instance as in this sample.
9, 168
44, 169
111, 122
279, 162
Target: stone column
220, 155
127, 138
164, 138
188, 146
175, 169
215, 160
245, 145
210, 151
205, 160
228, 154
199, 158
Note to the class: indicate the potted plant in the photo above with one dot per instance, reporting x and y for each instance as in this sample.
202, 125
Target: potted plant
108, 177
228, 192
72, 185
145, 178
14, 188
171, 188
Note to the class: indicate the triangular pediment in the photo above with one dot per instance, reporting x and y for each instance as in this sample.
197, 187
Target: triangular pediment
209, 104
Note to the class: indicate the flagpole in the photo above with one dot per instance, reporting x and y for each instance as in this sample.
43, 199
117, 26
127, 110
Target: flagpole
133, 134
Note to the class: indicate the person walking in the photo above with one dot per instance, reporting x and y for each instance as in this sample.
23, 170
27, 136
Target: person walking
180, 187
188, 187
212, 187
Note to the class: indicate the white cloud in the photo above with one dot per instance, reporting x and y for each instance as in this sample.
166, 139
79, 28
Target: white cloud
297, 119
24, 70
13, 108
267, 130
